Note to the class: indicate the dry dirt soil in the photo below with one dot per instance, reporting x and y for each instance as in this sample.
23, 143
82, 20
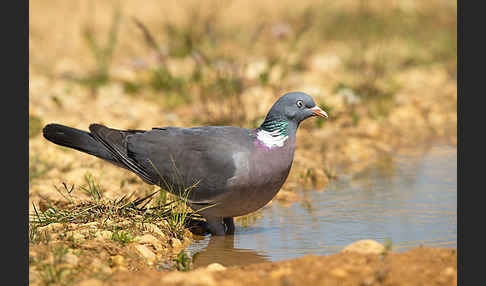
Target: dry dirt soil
424, 266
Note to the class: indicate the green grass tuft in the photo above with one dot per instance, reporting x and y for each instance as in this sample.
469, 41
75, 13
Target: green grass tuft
182, 261
35, 125
38, 167
122, 237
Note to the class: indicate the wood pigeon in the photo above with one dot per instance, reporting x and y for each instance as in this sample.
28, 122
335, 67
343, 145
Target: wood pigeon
224, 171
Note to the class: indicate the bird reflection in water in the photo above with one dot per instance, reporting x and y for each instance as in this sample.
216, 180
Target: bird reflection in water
222, 250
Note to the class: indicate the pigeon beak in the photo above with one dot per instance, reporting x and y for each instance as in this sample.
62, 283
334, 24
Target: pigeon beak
318, 112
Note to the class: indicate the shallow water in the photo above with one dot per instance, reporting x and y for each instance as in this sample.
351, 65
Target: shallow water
409, 199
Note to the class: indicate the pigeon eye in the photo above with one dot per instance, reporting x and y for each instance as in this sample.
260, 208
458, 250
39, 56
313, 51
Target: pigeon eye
299, 103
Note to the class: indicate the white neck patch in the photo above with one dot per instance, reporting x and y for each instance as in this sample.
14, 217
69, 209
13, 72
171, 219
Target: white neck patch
271, 139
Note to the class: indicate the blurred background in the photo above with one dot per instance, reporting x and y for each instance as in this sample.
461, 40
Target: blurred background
385, 71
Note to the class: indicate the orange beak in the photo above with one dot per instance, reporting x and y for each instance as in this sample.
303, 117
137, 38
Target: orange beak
319, 112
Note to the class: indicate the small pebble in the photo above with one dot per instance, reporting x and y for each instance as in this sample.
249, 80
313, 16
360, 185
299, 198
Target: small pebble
55, 226
338, 273
215, 267
175, 243
71, 258
366, 246
117, 260
103, 235
449, 271
154, 228
368, 281
277, 274
93, 225
75, 235
145, 252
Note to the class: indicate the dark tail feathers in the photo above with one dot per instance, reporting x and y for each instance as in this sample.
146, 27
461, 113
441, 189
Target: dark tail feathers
76, 139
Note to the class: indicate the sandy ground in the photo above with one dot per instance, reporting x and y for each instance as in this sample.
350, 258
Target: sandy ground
426, 266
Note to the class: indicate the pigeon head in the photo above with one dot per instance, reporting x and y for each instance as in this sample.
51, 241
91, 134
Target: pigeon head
294, 107
284, 118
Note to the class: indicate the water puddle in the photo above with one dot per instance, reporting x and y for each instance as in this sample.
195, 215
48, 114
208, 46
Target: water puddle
409, 199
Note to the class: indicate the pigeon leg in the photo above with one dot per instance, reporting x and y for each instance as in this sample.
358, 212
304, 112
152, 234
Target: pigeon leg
216, 226
230, 225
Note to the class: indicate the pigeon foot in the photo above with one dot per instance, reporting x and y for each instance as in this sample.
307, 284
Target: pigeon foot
229, 224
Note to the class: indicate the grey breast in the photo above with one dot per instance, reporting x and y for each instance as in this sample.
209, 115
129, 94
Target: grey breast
258, 177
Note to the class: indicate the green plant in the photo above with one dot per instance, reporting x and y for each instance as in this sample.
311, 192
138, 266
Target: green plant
176, 213
330, 172
200, 30
132, 87
388, 247
55, 272
122, 237
160, 77
38, 167
36, 236
328, 109
96, 208
35, 125
102, 54
92, 189
214, 78
182, 261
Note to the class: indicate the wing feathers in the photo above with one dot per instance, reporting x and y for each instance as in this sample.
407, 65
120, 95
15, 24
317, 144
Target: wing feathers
113, 140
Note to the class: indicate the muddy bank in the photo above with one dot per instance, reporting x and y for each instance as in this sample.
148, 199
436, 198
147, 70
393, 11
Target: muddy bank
434, 266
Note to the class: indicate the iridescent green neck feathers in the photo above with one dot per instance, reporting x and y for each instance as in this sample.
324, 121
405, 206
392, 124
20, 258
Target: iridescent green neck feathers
273, 133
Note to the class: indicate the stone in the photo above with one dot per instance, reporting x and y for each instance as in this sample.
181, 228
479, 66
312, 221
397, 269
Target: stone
71, 258
370, 127
255, 68
449, 271
215, 267
338, 273
103, 235
279, 273
368, 281
187, 240
175, 243
99, 265
365, 246
448, 276
145, 252
93, 225
154, 228
86, 232
149, 239
55, 226
117, 260
75, 235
